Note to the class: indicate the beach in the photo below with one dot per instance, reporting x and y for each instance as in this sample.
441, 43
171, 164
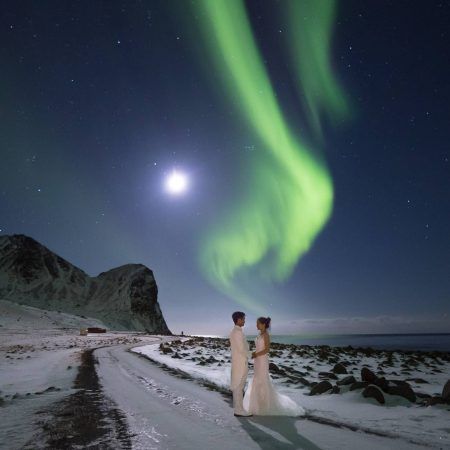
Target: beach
334, 384
131, 390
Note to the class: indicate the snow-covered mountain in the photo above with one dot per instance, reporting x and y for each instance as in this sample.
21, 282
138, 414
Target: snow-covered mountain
124, 298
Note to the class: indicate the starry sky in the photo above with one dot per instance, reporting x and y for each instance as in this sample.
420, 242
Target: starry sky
101, 100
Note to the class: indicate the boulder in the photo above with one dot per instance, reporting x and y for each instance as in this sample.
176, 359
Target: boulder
321, 388
274, 368
403, 390
336, 389
359, 385
422, 395
301, 380
164, 349
436, 400
446, 392
328, 375
373, 391
350, 379
367, 375
339, 368
382, 383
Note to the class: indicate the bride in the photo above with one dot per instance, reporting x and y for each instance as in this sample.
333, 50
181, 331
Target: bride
261, 398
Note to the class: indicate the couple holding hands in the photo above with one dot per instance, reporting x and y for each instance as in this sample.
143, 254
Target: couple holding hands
261, 398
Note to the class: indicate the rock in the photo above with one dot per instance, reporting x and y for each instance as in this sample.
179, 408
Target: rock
123, 298
367, 375
367, 351
336, 389
302, 380
164, 349
373, 391
403, 390
340, 369
436, 400
422, 395
346, 380
359, 385
321, 388
176, 356
382, 383
52, 389
328, 375
446, 392
275, 369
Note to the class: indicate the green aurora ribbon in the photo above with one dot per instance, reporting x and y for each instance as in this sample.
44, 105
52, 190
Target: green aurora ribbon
289, 196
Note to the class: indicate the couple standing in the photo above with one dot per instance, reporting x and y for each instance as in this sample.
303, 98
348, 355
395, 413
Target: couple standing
261, 398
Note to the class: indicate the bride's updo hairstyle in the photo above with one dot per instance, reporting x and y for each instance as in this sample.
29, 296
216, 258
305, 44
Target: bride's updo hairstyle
265, 321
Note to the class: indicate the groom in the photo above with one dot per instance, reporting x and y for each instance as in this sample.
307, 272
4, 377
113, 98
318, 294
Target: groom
239, 363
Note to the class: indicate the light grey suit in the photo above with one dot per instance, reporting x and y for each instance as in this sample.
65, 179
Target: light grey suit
239, 366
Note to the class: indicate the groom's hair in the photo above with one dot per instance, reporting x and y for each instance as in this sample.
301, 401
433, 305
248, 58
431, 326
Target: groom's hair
237, 315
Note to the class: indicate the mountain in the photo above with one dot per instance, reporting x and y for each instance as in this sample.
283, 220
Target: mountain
124, 298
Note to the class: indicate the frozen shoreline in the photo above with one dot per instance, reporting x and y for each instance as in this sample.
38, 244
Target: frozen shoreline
160, 409
208, 359
50, 377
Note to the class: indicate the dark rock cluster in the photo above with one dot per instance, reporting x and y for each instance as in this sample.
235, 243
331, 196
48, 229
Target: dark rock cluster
344, 376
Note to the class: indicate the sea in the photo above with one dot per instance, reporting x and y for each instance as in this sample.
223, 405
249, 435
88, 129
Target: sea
417, 342
420, 342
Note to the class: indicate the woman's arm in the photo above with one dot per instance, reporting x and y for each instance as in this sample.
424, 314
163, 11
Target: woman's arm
266, 346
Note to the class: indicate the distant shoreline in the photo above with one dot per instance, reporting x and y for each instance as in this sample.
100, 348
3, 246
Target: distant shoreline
424, 342
328, 335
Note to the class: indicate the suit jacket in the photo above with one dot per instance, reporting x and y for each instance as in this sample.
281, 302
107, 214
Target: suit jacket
239, 357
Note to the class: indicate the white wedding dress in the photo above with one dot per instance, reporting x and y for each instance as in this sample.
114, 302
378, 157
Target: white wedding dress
261, 397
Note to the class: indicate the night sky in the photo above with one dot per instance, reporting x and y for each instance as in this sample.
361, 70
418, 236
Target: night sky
101, 100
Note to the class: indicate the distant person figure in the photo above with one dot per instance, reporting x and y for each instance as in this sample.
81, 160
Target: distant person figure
182, 334
239, 363
261, 397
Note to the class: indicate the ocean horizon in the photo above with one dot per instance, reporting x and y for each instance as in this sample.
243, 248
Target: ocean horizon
387, 341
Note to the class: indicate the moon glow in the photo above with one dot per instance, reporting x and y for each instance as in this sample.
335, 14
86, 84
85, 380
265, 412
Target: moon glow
176, 182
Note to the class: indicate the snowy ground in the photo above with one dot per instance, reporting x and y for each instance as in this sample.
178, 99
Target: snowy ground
94, 392
209, 359
39, 359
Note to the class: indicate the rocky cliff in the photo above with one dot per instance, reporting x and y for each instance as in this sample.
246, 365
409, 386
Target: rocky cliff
124, 298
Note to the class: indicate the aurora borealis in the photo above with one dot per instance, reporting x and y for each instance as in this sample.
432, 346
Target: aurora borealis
290, 191
313, 137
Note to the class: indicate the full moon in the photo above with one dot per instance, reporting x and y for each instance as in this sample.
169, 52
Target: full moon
176, 182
